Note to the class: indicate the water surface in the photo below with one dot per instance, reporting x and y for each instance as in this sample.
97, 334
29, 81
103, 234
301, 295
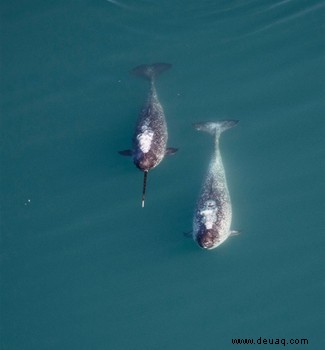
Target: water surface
83, 265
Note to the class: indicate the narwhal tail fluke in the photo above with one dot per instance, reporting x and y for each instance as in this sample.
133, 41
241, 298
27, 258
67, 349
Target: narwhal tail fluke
216, 128
150, 71
144, 186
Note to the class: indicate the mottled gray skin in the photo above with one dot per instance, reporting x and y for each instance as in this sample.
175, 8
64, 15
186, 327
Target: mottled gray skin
213, 213
150, 135
151, 122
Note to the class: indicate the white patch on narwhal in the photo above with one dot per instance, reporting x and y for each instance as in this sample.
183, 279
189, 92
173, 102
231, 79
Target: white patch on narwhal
209, 214
145, 138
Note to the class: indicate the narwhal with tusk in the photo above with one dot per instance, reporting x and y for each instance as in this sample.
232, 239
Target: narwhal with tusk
149, 144
212, 217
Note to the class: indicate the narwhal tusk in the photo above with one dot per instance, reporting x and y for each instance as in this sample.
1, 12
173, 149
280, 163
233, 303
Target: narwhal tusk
144, 186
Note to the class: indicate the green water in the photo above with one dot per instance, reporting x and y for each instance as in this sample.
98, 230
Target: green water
83, 266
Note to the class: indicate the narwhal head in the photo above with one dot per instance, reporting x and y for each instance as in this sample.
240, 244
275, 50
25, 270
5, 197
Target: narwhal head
207, 238
143, 163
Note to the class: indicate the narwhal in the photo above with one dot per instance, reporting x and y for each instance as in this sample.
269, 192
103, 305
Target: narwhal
149, 144
212, 216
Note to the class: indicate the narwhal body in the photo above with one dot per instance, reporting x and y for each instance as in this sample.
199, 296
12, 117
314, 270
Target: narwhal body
149, 143
212, 217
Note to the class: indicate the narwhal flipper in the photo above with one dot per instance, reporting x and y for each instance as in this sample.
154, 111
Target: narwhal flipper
188, 234
234, 233
170, 151
126, 152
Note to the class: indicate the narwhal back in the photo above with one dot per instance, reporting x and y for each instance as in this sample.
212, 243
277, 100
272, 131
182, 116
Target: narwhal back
149, 143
